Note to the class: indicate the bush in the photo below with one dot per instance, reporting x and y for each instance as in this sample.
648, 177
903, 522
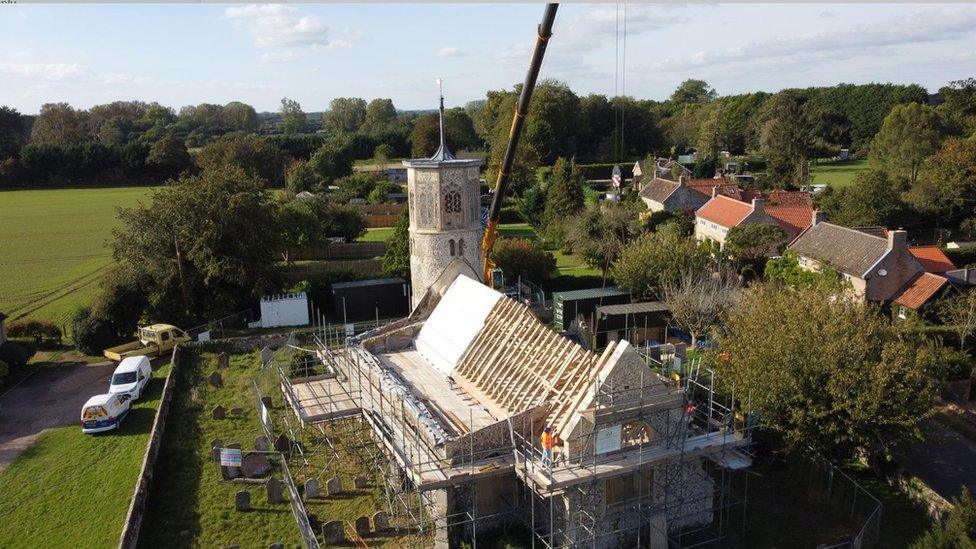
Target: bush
15, 354
39, 331
93, 332
520, 257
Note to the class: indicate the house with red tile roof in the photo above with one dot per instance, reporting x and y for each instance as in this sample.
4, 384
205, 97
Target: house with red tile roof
790, 210
718, 216
933, 259
683, 195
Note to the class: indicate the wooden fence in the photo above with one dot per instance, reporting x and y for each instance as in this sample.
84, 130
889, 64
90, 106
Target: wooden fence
339, 250
381, 215
368, 268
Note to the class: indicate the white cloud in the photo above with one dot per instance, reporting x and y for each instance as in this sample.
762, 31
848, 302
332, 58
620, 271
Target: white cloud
449, 51
286, 56
280, 25
46, 71
123, 78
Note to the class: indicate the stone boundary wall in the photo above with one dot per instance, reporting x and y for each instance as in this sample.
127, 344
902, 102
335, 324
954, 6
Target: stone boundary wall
137, 507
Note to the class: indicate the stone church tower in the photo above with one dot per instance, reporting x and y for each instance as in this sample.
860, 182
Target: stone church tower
444, 196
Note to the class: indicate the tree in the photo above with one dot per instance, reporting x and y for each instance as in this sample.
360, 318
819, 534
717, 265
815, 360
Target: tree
13, 133
693, 91
531, 205
959, 106
699, 300
564, 191
357, 185
170, 156
58, 124
250, 153
204, 246
396, 261
655, 258
787, 141
332, 160
382, 188
239, 116
947, 185
817, 386
872, 199
300, 177
458, 129
909, 134
380, 114
521, 258
786, 271
293, 117
314, 221
956, 529
425, 137
601, 233
750, 244
959, 312
345, 115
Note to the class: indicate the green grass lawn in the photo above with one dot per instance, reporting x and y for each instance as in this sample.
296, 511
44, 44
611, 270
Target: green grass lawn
70, 489
53, 249
191, 506
377, 234
838, 174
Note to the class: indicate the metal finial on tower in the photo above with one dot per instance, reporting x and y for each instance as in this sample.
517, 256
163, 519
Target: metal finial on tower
442, 152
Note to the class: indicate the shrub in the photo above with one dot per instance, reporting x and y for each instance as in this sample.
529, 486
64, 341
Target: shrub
520, 257
93, 332
15, 354
37, 330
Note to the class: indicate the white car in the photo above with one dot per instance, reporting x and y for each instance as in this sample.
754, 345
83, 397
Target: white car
104, 412
131, 377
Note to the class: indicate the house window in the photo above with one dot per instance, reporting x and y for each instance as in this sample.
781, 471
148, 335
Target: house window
725, 231
461, 247
628, 487
701, 222
714, 226
902, 312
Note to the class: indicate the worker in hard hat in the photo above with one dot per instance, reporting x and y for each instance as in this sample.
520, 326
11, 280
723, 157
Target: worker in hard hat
548, 440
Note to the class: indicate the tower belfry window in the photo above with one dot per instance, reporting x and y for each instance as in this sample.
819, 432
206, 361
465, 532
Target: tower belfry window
452, 208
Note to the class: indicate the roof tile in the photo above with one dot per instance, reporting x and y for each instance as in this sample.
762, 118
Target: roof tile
920, 290
847, 250
932, 258
724, 211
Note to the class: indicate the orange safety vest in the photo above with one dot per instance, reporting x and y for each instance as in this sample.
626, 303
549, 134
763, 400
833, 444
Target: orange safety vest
548, 440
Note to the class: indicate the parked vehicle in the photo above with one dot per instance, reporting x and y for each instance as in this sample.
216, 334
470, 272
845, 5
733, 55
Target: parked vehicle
153, 341
131, 377
104, 412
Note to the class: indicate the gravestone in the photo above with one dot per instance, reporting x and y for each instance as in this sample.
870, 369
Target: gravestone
334, 532
255, 466
273, 488
216, 380
312, 488
261, 443
215, 446
237, 412
282, 444
267, 402
381, 521
242, 502
218, 412
236, 445
362, 526
359, 482
333, 486
223, 360
232, 472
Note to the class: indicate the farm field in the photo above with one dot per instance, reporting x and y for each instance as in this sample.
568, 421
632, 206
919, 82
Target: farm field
70, 489
838, 174
54, 247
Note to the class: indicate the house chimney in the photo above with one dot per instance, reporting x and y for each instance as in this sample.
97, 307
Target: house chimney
715, 191
897, 239
758, 205
818, 217
681, 180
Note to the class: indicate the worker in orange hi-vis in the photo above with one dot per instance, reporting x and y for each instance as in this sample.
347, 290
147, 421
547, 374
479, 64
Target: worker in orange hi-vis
548, 441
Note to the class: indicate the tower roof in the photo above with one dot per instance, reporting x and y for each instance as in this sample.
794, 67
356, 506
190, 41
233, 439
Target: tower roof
443, 154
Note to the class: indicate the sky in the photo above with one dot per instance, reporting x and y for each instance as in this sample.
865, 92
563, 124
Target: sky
182, 54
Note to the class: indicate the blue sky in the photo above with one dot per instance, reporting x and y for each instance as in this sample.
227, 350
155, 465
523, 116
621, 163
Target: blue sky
184, 54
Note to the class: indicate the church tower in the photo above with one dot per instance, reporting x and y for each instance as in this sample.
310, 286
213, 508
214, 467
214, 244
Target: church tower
444, 197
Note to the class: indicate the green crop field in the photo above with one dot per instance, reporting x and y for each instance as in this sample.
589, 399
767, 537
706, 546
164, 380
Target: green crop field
70, 489
838, 174
53, 248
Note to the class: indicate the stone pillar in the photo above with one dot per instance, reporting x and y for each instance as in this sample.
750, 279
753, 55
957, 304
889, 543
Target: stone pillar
442, 537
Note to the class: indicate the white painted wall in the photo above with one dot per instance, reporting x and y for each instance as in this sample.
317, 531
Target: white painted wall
283, 310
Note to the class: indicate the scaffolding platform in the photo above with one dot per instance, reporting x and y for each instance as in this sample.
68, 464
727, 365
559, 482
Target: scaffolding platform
320, 400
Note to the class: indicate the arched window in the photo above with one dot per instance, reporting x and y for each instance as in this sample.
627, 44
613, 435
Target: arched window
452, 209
461, 247
451, 242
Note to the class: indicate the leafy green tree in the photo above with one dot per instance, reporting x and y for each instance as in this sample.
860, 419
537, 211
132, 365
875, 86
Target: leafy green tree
872, 199
396, 261
959, 105
595, 139
313, 221
750, 244
382, 188
204, 246
293, 116
345, 115
380, 114
787, 140
239, 116
332, 160
656, 258
956, 529
383, 153
785, 270
13, 132
357, 185
947, 185
523, 258
693, 91
531, 205
564, 192
116, 131
169, 156
59, 124
817, 386
425, 137
910, 134
250, 153
300, 177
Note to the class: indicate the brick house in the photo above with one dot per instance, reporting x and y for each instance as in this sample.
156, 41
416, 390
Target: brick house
683, 195
730, 207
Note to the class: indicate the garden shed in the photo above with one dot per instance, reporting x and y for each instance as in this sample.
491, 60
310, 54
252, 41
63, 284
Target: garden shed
567, 306
370, 299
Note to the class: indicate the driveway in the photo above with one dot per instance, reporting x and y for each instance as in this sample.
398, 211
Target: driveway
944, 460
51, 397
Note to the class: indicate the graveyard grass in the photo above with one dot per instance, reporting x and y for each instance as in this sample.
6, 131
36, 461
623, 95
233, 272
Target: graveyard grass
190, 505
70, 489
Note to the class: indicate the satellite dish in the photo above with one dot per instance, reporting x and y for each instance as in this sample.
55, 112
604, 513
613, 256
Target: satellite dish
882, 272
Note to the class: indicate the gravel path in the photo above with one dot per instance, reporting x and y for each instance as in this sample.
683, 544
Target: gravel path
945, 460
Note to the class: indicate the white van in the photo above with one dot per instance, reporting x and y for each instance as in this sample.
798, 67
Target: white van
131, 377
104, 412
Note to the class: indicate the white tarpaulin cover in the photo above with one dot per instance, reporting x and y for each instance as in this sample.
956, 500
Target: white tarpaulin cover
455, 322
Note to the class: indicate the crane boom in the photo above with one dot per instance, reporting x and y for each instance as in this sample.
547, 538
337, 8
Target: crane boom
521, 110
